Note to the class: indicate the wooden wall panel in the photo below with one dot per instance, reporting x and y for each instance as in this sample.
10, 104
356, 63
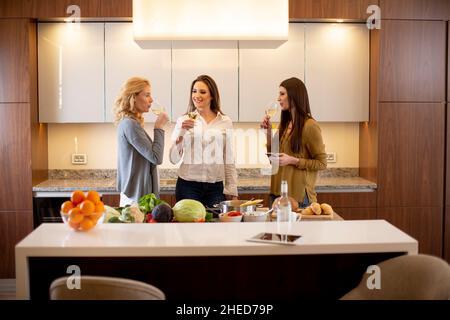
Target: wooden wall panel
112, 200
447, 167
424, 224
15, 226
412, 65
39, 142
15, 157
329, 9
368, 131
117, 8
57, 8
14, 80
411, 155
415, 9
446, 237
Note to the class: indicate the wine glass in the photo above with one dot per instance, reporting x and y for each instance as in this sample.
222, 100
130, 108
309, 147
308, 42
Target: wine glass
192, 115
157, 108
271, 109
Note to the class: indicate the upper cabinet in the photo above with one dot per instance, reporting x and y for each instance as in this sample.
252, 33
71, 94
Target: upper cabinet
125, 59
262, 70
71, 72
82, 68
337, 71
216, 59
415, 9
330, 9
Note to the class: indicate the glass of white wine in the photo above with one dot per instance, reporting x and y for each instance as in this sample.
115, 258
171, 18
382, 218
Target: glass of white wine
192, 115
157, 108
272, 109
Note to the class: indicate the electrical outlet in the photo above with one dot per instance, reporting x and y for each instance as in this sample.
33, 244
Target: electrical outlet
331, 156
79, 158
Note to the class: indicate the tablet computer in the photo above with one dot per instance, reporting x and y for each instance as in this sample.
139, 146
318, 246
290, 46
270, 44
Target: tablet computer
277, 238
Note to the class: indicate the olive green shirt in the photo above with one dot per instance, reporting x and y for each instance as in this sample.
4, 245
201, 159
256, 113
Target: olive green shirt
312, 158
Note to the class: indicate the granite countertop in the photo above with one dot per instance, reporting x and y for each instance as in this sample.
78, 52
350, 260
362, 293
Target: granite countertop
328, 181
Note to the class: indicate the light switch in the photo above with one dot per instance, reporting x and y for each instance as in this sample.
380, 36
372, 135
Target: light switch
331, 156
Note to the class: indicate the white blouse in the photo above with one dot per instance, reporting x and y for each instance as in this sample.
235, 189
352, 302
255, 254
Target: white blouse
206, 152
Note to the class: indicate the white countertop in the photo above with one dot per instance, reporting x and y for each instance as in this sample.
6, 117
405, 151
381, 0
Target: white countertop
206, 239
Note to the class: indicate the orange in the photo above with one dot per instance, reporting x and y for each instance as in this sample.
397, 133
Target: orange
74, 225
87, 207
87, 224
75, 215
66, 206
93, 196
99, 207
77, 197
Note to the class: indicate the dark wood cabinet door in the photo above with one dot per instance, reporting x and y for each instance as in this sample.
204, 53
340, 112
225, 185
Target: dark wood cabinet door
117, 8
14, 48
412, 63
446, 248
423, 224
329, 9
112, 200
169, 198
357, 213
349, 199
415, 9
411, 155
15, 226
15, 157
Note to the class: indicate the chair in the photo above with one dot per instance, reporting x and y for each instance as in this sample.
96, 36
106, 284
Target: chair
408, 277
105, 288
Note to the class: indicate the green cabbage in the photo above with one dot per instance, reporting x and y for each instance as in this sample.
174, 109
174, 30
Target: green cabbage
188, 210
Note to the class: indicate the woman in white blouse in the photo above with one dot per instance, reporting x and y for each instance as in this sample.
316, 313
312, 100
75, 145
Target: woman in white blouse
203, 140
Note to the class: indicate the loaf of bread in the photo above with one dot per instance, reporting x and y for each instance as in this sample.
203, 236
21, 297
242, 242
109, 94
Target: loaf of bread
315, 207
307, 211
326, 209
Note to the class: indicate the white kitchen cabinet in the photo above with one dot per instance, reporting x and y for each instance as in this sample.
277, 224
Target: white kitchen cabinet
71, 72
261, 70
337, 71
216, 59
125, 59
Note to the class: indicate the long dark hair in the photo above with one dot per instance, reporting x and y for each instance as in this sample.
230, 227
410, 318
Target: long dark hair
299, 106
213, 91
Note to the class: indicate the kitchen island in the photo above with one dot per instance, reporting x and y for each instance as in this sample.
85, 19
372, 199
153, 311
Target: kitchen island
213, 261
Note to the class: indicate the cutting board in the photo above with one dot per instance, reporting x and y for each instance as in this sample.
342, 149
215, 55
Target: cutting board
316, 217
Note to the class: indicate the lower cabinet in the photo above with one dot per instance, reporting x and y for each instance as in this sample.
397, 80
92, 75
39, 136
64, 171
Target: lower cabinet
112, 200
351, 205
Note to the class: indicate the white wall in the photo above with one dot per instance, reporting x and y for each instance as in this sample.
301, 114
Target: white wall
98, 141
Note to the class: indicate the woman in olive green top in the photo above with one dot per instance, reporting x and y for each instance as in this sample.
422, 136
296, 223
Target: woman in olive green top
301, 149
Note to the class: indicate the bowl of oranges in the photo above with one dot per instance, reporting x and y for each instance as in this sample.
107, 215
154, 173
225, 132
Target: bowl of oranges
83, 211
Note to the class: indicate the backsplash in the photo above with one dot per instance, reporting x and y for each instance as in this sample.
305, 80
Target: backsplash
172, 173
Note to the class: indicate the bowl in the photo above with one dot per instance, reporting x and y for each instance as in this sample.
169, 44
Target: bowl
257, 216
82, 222
224, 217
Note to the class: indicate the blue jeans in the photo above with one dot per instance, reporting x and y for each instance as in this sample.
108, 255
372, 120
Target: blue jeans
207, 193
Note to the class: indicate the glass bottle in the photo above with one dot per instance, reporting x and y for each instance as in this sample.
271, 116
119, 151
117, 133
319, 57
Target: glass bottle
283, 205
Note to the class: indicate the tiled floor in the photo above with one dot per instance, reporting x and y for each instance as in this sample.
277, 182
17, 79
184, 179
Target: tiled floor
7, 289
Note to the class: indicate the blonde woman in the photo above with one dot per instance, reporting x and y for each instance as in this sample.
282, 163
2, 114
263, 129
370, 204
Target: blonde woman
138, 154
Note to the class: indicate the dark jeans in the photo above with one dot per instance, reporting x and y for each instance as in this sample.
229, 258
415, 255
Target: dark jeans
207, 193
302, 205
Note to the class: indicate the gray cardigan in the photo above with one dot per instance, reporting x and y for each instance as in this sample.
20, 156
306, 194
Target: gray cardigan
138, 155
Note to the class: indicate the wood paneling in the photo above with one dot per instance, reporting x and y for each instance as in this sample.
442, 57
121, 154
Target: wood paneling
15, 226
329, 9
368, 131
39, 142
117, 8
15, 157
412, 65
349, 199
58, 8
447, 168
448, 62
424, 224
14, 79
411, 155
415, 9
446, 237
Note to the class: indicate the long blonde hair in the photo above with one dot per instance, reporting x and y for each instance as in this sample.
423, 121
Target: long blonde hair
124, 104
